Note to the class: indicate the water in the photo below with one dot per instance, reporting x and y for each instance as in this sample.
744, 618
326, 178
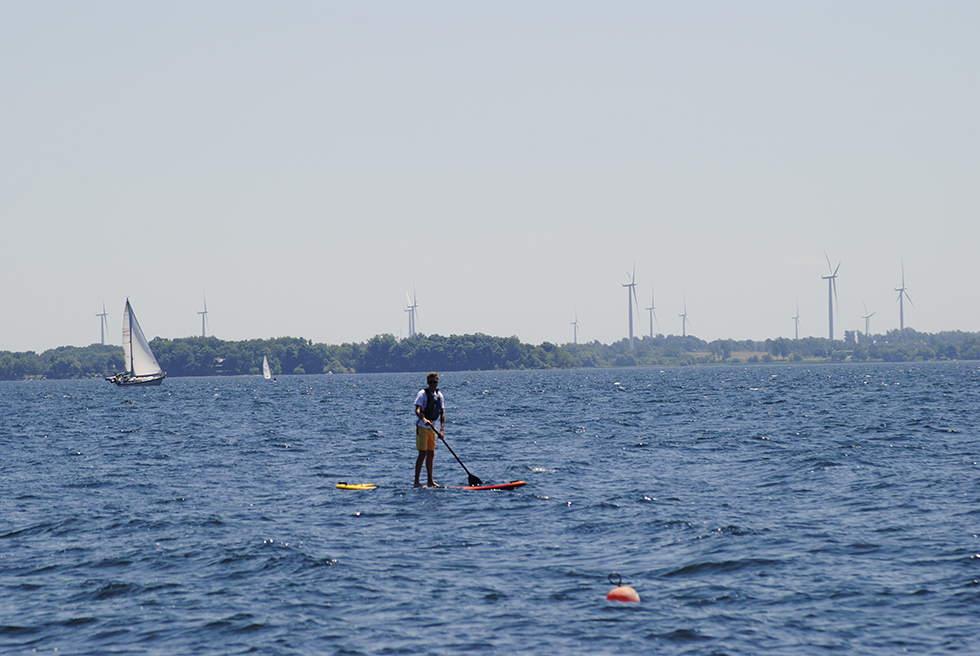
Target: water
776, 510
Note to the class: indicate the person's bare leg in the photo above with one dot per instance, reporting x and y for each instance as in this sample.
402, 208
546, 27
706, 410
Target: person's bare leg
418, 467
429, 458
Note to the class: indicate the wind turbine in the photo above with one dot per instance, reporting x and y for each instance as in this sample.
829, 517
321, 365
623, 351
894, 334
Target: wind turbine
902, 295
413, 313
653, 313
204, 318
867, 320
104, 323
631, 296
831, 292
796, 320
684, 319
575, 329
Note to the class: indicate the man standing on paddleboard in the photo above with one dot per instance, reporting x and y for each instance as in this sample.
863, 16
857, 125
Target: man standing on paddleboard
429, 406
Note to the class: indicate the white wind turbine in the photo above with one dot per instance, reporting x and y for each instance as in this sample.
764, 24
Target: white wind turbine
684, 318
653, 314
902, 295
575, 329
831, 292
104, 323
631, 296
413, 313
796, 320
204, 318
867, 320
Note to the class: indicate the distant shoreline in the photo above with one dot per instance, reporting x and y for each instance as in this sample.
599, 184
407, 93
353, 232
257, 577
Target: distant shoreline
210, 356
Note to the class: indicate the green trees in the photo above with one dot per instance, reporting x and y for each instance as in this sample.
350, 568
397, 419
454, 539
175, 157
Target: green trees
210, 356
20, 366
457, 353
63, 362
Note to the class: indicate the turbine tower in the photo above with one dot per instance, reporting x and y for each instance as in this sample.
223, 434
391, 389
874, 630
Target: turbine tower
204, 318
831, 292
104, 323
631, 296
653, 314
867, 320
684, 319
796, 320
575, 329
902, 295
413, 313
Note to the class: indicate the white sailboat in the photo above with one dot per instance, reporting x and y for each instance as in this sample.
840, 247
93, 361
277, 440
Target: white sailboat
266, 372
141, 367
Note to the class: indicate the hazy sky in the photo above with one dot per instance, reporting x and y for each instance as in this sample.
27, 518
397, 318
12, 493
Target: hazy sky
305, 164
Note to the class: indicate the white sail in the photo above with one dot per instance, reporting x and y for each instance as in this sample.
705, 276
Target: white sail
266, 372
139, 357
128, 338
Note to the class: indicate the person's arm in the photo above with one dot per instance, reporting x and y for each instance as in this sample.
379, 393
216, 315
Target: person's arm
421, 415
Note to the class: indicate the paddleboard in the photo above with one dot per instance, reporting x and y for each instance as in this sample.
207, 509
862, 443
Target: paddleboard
501, 486
356, 486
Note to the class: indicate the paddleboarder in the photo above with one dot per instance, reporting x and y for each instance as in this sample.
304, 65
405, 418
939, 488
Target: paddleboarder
429, 406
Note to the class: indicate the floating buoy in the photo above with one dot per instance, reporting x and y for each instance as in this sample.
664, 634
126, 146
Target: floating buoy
621, 592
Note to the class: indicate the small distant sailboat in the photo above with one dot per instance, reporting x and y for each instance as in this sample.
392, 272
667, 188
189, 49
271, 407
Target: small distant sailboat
266, 372
141, 367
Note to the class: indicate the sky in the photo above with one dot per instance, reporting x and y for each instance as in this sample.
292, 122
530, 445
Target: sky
303, 166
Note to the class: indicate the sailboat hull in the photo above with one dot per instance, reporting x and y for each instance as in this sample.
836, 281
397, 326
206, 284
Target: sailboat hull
125, 381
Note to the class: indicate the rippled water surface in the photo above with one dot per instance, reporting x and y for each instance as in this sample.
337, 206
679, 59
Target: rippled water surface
777, 510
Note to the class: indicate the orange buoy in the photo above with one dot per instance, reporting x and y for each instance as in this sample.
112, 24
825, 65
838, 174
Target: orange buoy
623, 593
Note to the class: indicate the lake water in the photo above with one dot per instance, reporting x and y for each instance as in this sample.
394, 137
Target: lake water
755, 509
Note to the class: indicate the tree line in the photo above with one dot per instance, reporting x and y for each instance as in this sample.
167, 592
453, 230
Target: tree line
210, 356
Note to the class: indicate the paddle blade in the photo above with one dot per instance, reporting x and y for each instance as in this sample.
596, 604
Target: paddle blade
475, 480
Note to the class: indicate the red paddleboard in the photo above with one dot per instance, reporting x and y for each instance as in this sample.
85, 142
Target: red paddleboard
502, 486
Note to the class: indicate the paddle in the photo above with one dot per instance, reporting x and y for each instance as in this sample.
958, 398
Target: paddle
473, 479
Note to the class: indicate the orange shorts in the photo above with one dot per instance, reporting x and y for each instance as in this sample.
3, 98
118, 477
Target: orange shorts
425, 439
